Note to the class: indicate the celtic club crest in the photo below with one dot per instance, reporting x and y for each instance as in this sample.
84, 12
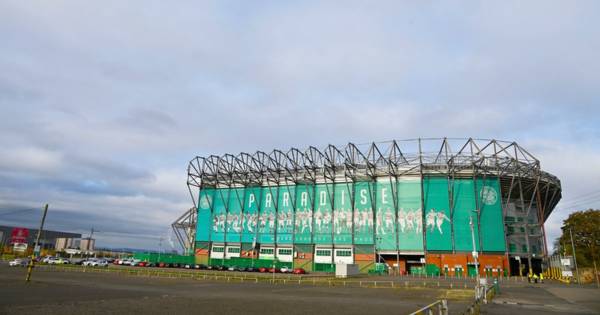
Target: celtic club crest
489, 196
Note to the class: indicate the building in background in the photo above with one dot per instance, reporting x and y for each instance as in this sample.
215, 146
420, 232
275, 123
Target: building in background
63, 243
87, 244
21, 238
422, 205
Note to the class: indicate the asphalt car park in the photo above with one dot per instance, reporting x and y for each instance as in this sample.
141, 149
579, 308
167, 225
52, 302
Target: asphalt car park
101, 293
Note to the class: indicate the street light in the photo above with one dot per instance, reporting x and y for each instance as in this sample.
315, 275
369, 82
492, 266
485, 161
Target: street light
475, 256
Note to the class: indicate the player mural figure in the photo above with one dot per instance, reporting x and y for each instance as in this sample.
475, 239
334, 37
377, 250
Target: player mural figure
440, 217
402, 219
436, 219
389, 220
318, 220
380, 227
419, 221
430, 219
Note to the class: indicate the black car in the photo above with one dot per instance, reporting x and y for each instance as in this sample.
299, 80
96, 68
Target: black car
250, 269
210, 267
221, 268
200, 266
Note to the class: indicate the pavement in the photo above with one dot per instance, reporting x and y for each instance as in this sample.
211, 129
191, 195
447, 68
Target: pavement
547, 298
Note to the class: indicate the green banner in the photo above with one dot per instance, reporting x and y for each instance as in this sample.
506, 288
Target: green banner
322, 231
219, 218
385, 217
203, 226
463, 212
437, 214
342, 214
285, 214
234, 215
250, 214
363, 213
410, 216
492, 229
304, 202
266, 218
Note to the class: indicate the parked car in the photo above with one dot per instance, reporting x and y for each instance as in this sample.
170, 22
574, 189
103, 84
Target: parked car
18, 262
232, 268
299, 271
210, 267
263, 269
274, 270
285, 269
89, 262
250, 269
200, 266
99, 263
221, 268
162, 265
58, 261
77, 261
46, 259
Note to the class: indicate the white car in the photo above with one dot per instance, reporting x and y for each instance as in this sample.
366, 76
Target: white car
285, 269
89, 262
58, 261
46, 259
99, 263
18, 262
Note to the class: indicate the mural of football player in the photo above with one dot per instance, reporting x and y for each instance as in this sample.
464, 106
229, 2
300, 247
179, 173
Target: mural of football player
379, 221
271, 221
402, 219
327, 220
410, 220
281, 221
430, 220
389, 220
348, 220
318, 219
216, 223
419, 221
439, 220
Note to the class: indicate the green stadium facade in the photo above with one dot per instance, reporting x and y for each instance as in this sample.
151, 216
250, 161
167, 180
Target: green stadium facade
419, 206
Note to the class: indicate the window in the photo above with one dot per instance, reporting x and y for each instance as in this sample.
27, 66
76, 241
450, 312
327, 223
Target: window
323, 252
512, 248
284, 251
509, 219
267, 251
218, 249
510, 229
233, 250
344, 253
524, 249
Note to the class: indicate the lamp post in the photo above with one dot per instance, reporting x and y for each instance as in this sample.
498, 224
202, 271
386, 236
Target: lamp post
475, 256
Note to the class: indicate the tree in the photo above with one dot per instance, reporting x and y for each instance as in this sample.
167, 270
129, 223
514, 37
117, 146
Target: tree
585, 226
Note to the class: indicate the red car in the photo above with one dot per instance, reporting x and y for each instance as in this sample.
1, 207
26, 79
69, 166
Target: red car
299, 271
273, 270
161, 265
262, 269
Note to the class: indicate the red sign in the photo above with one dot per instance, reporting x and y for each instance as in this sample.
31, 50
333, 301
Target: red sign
19, 236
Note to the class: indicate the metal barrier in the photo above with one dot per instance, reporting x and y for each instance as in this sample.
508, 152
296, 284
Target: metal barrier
439, 307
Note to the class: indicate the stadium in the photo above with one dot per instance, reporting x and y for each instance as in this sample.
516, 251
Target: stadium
444, 206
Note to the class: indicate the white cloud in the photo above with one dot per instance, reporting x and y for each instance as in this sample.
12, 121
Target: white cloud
102, 105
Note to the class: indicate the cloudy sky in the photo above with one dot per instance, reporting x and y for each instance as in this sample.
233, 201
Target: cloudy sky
103, 103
